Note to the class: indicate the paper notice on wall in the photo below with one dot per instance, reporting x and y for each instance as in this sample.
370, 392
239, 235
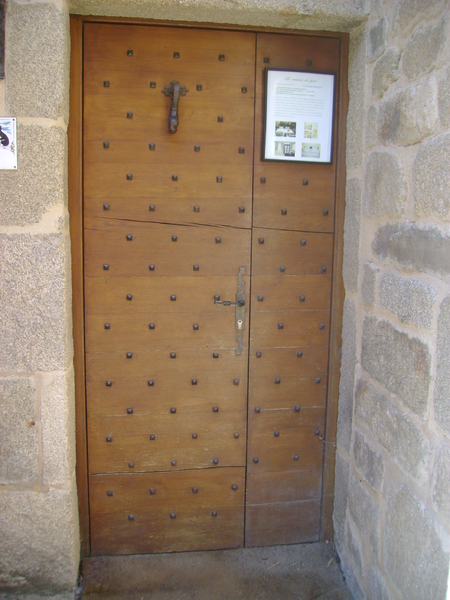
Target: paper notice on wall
8, 143
299, 116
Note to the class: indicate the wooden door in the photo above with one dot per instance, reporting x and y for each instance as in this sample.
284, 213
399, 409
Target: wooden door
170, 220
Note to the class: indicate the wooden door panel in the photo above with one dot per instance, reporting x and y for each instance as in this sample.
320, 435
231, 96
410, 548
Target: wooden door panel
306, 361
295, 391
303, 214
267, 421
173, 447
296, 293
281, 328
171, 493
284, 486
282, 523
298, 253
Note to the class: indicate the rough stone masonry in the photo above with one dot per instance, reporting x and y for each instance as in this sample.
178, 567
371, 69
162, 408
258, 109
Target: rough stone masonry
392, 504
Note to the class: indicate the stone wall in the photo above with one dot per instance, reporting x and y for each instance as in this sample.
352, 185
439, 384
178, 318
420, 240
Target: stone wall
392, 506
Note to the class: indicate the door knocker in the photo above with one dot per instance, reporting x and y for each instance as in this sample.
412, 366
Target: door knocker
174, 90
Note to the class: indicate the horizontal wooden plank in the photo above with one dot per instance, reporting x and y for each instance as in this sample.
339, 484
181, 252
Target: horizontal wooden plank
284, 486
131, 444
278, 453
280, 328
162, 331
309, 361
299, 253
270, 420
106, 243
291, 292
281, 210
282, 523
301, 390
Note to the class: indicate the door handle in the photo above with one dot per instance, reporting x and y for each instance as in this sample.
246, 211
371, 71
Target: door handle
174, 90
240, 309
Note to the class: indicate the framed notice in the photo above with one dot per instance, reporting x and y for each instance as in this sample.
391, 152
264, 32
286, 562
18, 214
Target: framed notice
8, 143
299, 116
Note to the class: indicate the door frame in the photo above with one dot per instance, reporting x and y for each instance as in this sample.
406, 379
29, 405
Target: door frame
75, 180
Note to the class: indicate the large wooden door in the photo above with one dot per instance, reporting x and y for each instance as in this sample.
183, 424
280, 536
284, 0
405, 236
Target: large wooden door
170, 221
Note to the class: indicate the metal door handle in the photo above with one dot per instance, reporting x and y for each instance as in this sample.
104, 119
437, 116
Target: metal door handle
240, 302
240, 309
174, 90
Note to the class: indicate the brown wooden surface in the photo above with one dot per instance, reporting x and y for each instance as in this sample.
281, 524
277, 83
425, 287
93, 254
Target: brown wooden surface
284, 486
315, 291
152, 529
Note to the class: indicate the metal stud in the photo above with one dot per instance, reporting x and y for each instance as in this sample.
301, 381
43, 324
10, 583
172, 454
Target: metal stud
302, 298
151, 326
152, 84
299, 353
302, 242
129, 411
198, 87
262, 180
317, 432
321, 325
243, 90
257, 409
129, 52
218, 240
221, 57
173, 463
277, 380
297, 408
131, 517
195, 490
235, 381
219, 179
234, 487
194, 436
173, 298
216, 297
325, 212
309, 63
152, 491
236, 435
174, 238
260, 298
295, 457
152, 437
196, 148
195, 327
220, 119
266, 59
317, 380
214, 513
106, 207
176, 55
282, 269
106, 267
194, 382
151, 146
242, 209
107, 325
173, 355
129, 296
152, 208
129, 237
196, 208
174, 177
215, 355
106, 84
215, 409
131, 465
276, 434
255, 459
110, 493
323, 269
129, 355
173, 515
151, 267
150, 383
105, 144
108, 383
241, 150
260, 240
108, 438
173, 410
284, 211
129, 115
305, 182
196, 267
280, 325
215, 461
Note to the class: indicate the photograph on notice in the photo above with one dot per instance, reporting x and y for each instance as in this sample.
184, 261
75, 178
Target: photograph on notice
284, 148
8, 143
311, 130
285, 128
310, 150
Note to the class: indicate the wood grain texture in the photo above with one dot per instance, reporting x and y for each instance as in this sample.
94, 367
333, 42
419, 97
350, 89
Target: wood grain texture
284, 486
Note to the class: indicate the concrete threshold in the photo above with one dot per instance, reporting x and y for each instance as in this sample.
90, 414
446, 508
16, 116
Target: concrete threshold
297, 572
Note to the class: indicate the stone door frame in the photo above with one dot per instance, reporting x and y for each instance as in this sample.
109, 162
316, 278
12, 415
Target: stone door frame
76, 232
